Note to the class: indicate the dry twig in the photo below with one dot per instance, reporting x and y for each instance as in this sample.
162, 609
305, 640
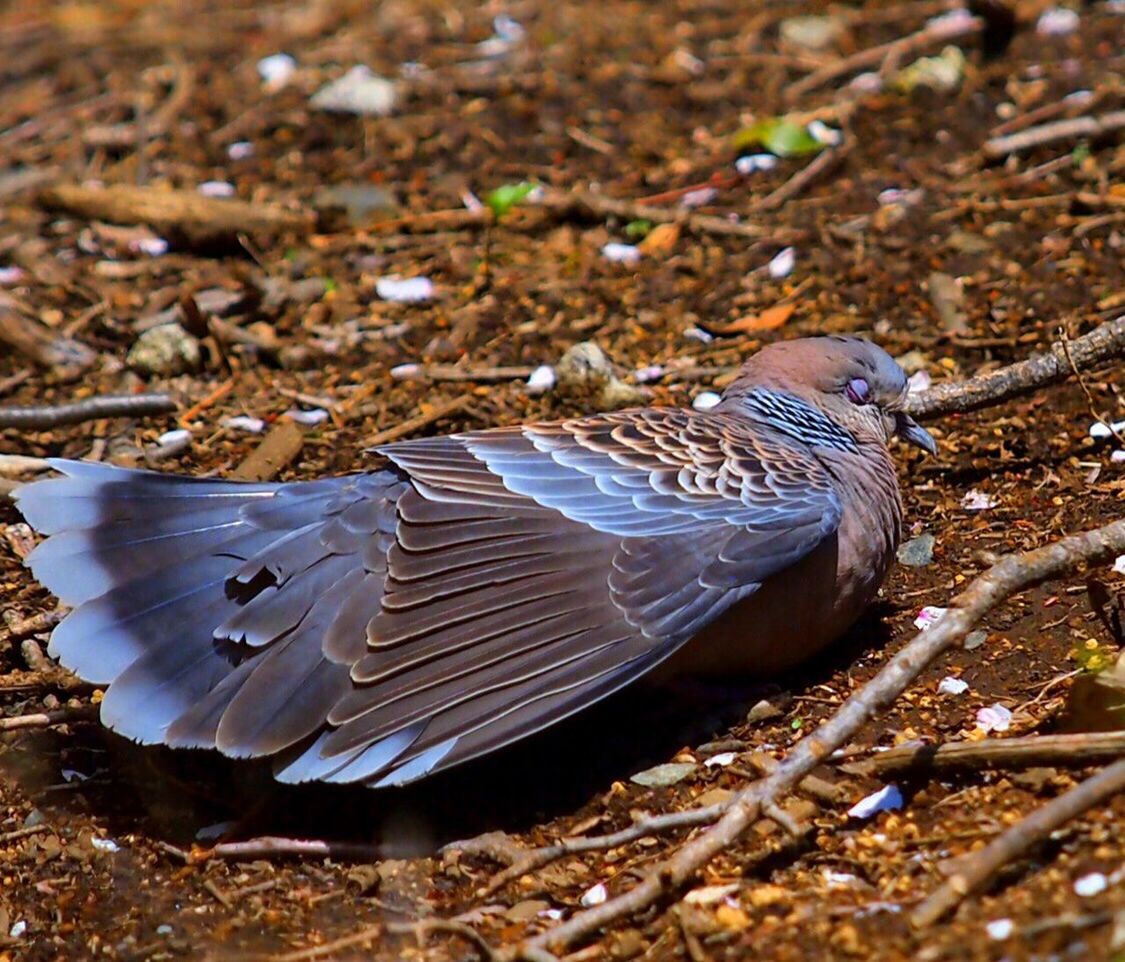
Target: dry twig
930, 36
978, 869
91, 409
1071, 751
1104, 343
64, 357
184, 212
48, 719
410, 425
1008, 576
1074, 128
272, 846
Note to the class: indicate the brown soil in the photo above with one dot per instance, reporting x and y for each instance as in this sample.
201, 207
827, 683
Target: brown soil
605, 94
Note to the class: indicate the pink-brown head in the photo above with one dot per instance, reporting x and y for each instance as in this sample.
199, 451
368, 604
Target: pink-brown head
857, 384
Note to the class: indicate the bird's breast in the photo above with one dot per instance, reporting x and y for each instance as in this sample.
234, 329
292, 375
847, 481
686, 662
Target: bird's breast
800, 610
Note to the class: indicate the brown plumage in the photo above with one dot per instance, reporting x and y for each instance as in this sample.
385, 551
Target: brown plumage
468, 590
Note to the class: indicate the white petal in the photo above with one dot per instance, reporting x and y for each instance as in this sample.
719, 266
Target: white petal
886, 799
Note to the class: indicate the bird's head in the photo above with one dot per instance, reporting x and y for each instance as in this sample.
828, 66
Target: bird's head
857, 384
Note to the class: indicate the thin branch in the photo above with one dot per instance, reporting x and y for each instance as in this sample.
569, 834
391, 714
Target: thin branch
411, 425
1091, 404
92, 409
566, 203
1075, 128
1104, 343
822, 164
421, 930
942, 31
978, 869
272, 846
48, 719
1070, 751
1008, 576
643, 828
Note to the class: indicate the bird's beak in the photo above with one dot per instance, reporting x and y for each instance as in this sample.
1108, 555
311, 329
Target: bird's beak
910, 430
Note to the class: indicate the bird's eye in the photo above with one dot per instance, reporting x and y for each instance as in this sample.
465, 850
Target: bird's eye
858, 391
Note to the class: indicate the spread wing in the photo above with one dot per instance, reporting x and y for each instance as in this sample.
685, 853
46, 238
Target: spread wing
483, 586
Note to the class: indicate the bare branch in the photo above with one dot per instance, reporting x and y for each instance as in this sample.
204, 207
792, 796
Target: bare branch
1055, 132
91, 409
1104, 343
1008, 576
1071, 751
978, 869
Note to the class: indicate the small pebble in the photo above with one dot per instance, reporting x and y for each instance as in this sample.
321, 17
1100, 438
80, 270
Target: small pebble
1088, 885
698, 334
840, 879
660, 776
974, 640
1119, 565
999, 929
1099, 430
11, 275
826, 135
542, 379
952, 686
750, 163
959, 15
1057, 22
887, 799
868, 82
917, 552
276, 69
17, 930
216, 188
359, 92
621, 253
1118, 456
994, 718
164, 930
177, 436
698, 198
594, 896
240, 150
783, 263
404, 372
643, 375
705, 400
104, 844
409, 290
150, 246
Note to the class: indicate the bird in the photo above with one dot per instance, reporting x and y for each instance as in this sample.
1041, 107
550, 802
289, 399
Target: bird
461, 592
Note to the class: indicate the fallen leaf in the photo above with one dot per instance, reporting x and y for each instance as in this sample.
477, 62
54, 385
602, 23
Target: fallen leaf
769, 320
660, 240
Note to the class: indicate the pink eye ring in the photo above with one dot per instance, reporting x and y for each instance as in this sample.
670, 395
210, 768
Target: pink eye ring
858, 391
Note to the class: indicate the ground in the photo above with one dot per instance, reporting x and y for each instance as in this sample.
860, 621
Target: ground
638, 102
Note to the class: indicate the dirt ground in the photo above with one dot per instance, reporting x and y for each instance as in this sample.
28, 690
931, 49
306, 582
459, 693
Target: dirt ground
638, 102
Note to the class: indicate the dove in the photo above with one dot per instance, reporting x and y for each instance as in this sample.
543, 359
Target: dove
459, 593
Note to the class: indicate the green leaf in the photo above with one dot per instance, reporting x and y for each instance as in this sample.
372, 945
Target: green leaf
637, 229
504, 198
779, 136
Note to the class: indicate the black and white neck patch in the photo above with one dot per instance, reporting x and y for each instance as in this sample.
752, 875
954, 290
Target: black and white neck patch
798, 419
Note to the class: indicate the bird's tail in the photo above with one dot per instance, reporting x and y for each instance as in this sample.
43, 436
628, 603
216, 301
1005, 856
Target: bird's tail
152, 565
